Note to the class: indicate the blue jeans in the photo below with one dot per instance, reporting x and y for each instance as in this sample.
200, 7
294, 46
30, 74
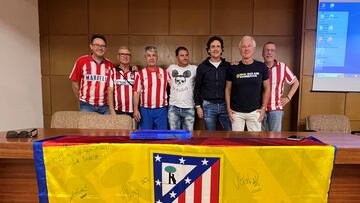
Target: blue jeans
181, 118
86, 107
153, 119
272, 121
213, 111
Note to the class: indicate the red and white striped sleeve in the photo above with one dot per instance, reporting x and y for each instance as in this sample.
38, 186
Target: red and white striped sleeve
77, 72
289, 76
137, 83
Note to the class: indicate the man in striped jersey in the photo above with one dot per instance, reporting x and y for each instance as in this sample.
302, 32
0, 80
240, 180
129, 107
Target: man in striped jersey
278, 73
150, 88
120, 85
89, 77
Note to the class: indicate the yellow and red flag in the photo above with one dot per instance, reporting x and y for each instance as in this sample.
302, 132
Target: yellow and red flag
226, 170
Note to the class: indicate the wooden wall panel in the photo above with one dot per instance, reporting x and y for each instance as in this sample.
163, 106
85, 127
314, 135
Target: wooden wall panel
44, 55
235, 52
286, 123
199, 49
310, 14
352, 106
62, 96
47, 121
166, 46
288, 107
64, 50
279, 15
137, 45
309, 51
113, 44
190, 17
149, 17
319, 103
355, 125
43, 17
46, 95
108, 16
232, 17
68, 17
227, 53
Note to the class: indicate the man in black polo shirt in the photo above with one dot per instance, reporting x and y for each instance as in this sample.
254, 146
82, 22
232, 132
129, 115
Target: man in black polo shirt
247, 89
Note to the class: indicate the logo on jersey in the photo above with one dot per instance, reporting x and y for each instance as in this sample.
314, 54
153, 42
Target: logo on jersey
121, 82
248, 75
100, 78
180, 79
185, 178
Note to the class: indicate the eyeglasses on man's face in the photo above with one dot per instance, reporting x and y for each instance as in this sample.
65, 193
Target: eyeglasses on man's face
124, 54
103, 46
22, 134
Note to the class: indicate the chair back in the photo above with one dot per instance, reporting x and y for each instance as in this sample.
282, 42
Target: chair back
98, 121
67, 119
328, 123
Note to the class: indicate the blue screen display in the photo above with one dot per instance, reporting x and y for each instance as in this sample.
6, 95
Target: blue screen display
337, 50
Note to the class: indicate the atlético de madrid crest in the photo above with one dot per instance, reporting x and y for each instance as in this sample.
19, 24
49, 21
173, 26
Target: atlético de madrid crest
184, 179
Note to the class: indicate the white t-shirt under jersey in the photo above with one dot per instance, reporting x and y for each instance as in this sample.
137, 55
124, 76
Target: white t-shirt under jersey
182, 82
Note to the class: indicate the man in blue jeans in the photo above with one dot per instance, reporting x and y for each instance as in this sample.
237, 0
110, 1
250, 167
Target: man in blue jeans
209, 91
181, 77
279, 73
89, 77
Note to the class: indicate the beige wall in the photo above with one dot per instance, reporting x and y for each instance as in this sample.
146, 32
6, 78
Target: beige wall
316, 102
20, 83
167, 24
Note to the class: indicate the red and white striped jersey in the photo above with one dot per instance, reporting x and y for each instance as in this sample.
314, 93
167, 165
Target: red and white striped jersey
278, 74
123, 90
151, 84
93, 79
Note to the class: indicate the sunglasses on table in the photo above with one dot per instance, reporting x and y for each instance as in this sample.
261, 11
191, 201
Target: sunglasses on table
22, 134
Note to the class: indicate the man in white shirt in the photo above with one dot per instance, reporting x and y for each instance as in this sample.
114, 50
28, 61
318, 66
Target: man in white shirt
181, 77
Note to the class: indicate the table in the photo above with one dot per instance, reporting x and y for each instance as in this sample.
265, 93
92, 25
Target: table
18, 178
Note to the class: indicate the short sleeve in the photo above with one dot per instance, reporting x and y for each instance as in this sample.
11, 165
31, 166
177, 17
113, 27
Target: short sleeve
168, 72
76, 73
265, 72
111, 77
137, 83
229, 73
289, 76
